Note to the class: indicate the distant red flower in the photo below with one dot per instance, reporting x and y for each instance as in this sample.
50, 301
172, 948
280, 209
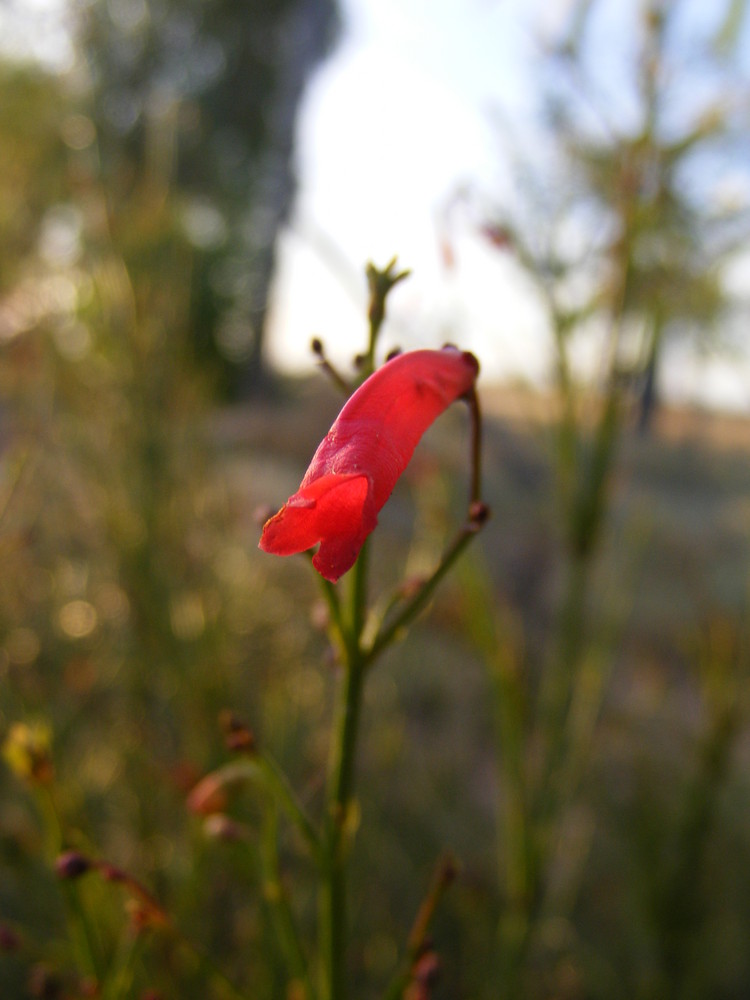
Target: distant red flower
357, 464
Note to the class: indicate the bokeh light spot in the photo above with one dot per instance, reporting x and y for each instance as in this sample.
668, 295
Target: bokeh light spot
77, 619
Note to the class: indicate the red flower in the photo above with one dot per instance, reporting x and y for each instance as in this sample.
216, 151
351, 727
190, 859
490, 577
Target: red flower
357, 464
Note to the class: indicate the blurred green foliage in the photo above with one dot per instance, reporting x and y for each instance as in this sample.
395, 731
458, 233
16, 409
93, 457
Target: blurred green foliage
569, 720
631, 221
196, 103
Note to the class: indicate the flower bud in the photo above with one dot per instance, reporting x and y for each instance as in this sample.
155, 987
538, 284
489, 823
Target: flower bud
72, 865
238, 736
208, 796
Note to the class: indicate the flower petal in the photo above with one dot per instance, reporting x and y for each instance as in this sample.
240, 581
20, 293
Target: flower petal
335, 510
382, 423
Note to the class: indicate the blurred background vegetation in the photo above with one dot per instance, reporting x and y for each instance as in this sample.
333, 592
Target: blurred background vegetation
570, 720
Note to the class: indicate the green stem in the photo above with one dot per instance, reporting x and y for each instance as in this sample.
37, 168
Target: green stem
475, 487
477, 515
83, 939
121, 973
444, 875
278, 784
206, 966
417, 603
262, 768
341, 787
281, 912
340, 830
331, 595
380, 284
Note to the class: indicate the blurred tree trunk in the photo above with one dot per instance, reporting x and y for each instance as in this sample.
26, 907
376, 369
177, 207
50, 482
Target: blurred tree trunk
204, 97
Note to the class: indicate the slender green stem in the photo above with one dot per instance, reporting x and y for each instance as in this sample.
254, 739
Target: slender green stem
475, 488
331, 595
340, 829
82, 934
380, 284
341, 785
417, 603
281, 912
344, 747
444, 875
261, 768
278, 784
121, 972
359, 598
356, 658
222, 985
83, 938
335, 376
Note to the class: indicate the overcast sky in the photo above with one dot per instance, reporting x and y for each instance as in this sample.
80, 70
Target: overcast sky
397, 120
403, 114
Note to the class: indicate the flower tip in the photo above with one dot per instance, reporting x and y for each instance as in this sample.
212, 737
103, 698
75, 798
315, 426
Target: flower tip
467, 356
471, 360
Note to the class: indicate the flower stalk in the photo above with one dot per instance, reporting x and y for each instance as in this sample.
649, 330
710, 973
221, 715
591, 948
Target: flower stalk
350, 478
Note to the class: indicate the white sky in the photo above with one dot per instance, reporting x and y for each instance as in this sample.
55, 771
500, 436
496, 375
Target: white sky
393, 124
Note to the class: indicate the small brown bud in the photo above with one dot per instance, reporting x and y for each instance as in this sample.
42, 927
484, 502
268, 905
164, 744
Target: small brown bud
208, 796
479, 513
238, 736
72, 864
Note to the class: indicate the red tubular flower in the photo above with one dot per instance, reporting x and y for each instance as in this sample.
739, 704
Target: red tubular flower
357, 464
